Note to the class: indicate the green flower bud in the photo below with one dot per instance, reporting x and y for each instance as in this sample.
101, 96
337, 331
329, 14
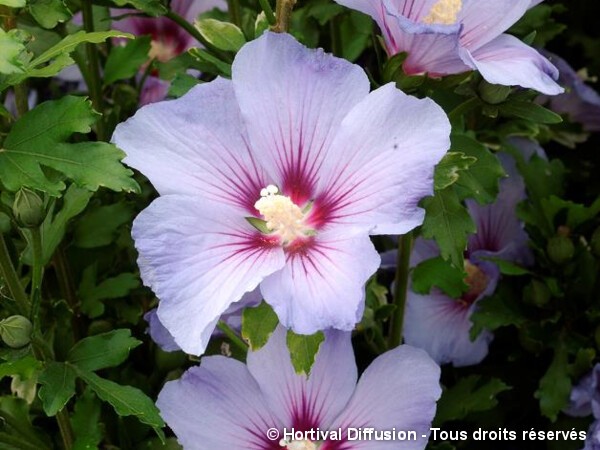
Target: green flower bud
15, 331
493, 93
28, 208
560, 249
537, 293
595, 242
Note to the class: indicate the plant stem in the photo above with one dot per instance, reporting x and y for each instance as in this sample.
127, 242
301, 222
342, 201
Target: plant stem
232, 336
67, 288
283, 14
93, 62
21, 98
233, 6
10, 276
37, 271
66, 432
400, 289
266, 7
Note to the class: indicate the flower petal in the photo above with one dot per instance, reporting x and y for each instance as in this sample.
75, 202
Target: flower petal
500, 233
218, 406
485, 20
398, 390
199, 257
381, 163
322, 285
293, 100
154, 90
508, 61
297, 401
441, 326
159, 334
194, 145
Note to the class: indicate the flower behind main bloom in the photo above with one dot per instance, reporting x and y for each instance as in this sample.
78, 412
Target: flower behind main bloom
444, 37
226, 405
277, 178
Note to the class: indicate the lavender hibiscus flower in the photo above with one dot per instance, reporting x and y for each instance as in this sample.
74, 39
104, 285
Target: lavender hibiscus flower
277, 178
584, 401
581, 102
226, 405
440, 324
445, 37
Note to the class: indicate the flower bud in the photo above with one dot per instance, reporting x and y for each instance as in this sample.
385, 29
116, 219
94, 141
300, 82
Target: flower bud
28, 208
493, 93
537, 293
595, 242
560, 249
15, 331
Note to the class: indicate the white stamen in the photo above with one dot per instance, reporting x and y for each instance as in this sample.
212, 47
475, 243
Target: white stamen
443, 12
281, 214
298, 445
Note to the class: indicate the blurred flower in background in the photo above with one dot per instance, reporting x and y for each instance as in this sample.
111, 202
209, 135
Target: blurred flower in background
580, 101
440, 324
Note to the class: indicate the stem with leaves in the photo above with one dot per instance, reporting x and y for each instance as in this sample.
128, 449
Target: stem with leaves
11, 278
233, 6
266, 7
400, 289
283, 15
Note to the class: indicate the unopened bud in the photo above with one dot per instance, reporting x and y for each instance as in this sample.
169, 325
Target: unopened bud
15, 331
28, 208
560, 249
537, 293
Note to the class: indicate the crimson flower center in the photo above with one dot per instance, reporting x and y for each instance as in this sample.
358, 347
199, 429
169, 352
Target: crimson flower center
443, 12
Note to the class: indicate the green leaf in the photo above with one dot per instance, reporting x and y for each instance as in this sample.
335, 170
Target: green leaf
481, 180
303, 350
499, 310
151, 7
58, 386
48, 13
181, 84
103, 350
207, 62
99, 226
13, 3
555, 386
447, 172
24, 367
124, 61
258, 325
13, 46
57, 57
507, 267
86, 422
37, 139
223, 35
355, 31
448, 223
529, 111
126, 400
437, 272
111, 288
469, 395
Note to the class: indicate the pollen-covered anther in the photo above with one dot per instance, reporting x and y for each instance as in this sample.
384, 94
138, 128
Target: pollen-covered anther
162, 51
282, 216
443, 12
298, 445
476, 279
